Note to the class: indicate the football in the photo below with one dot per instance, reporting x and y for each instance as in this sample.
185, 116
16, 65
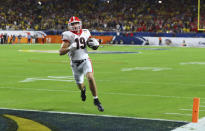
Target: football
93, 43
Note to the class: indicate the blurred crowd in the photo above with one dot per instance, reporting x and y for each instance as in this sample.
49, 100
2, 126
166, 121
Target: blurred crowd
102, 15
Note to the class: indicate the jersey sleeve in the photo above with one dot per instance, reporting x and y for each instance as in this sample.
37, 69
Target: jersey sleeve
65, 36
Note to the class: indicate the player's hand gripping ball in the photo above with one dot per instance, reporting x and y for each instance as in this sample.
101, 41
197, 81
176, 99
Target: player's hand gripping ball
93, 43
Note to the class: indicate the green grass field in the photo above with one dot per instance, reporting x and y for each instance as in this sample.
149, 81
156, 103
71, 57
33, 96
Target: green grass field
153, 83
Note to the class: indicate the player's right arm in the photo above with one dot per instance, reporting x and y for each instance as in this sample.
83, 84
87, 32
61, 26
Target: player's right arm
64, 47
66, 44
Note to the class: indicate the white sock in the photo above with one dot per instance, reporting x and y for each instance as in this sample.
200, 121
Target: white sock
95, 97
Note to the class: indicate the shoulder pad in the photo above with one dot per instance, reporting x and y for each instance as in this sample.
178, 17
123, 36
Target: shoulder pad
66, 35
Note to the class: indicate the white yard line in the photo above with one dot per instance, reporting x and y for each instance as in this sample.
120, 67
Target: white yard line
190, 110
129, 94
200, 126
34, 89
68, 78
32, 44
178, 114
75, 113
192, 63
146, 68
37, 79
200, 106
40, 51
161, 83
107, 93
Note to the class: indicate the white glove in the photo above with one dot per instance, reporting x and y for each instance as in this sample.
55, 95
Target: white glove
72, 46
93, 42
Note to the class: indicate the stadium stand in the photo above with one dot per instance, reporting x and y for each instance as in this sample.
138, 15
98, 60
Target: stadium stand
101, 15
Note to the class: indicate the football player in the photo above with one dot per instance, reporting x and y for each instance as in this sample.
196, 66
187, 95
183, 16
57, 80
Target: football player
74, 44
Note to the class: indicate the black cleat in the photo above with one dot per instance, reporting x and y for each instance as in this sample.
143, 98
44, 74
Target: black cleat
83, 96
98, 104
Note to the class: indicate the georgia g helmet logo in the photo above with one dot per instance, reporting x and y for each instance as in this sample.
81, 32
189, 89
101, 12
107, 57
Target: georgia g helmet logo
74, 24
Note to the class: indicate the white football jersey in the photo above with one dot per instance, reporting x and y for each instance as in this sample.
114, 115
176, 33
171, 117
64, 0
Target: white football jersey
81, 51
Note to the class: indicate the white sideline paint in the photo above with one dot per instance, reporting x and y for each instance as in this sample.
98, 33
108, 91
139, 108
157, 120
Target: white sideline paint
146, 68
200, 126
107, 93
192, 63
75, 113
50, 78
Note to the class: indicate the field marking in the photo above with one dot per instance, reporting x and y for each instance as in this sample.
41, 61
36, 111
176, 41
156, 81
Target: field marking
200, 126
71, 79
186, 109
199, 105
192, 63
35, 79
106, 93
190, 110
90, 52
129, 94
83, 114
146, 68
23, 123
178, 114
167, 83
40, 51
59, 78
50, 78
34, 89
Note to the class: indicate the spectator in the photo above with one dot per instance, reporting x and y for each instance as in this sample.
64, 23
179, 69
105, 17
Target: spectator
29, 37
13, 39
43, 38
138, 15
5, 36
19, 38
1, 38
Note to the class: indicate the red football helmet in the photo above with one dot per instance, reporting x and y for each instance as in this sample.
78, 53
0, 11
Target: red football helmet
74, 24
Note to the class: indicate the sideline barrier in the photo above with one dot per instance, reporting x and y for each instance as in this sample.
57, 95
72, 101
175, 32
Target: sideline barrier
24, 40
57, 39
104, 39
136, 38
53, 39
34, 36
